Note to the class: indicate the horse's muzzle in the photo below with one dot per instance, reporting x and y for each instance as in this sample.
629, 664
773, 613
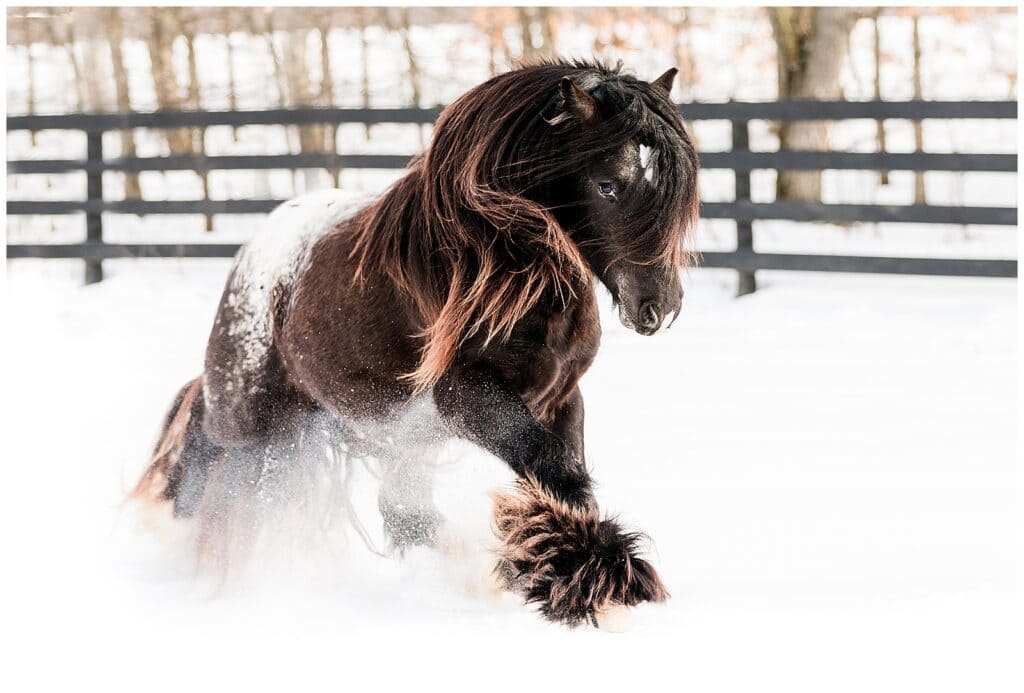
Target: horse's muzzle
649, 298
651, 318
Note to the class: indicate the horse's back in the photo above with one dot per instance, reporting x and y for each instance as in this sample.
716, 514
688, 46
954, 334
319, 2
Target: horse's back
276, 251
244, 383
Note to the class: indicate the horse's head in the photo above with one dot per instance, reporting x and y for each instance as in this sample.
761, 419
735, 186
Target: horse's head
629, 193
534, 180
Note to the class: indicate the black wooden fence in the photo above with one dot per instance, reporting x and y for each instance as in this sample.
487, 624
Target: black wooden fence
739, 159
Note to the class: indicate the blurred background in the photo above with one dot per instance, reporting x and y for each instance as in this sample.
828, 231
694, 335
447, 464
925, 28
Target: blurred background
62, 60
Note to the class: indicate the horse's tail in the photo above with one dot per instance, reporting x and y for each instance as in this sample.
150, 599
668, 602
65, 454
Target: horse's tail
182, 456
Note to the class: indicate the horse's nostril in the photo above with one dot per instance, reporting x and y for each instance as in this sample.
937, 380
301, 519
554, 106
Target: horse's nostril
649, 317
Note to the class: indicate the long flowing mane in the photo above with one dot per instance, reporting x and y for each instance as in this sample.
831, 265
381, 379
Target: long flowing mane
470, 233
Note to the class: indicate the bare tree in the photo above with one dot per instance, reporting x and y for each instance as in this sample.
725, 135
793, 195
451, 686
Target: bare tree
229, 49
915, 15
811, 44
30, 68
58, 32
186, 26
115, 35
546, 20
491, 22
529, 50
300, 93
364, 55
163, 29
403, 26
883, 176
327, 97
265, 29
262, 27
95, 64
680, 23
166, 24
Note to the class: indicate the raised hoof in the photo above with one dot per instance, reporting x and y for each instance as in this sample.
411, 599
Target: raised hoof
567, 560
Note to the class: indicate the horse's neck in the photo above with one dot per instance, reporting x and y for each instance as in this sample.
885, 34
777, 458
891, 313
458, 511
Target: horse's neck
570, 311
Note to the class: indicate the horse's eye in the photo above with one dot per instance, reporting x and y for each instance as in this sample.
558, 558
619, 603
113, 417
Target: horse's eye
606, 190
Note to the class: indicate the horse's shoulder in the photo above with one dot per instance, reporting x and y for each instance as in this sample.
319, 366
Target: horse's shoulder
566, 337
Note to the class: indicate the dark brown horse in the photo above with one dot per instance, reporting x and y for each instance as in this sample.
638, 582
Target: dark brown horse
467, 287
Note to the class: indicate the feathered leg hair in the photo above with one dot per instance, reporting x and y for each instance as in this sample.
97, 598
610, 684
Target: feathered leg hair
567, 559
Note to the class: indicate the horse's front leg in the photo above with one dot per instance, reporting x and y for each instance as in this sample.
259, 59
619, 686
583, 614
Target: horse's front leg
567, 423
481, 406
556, 549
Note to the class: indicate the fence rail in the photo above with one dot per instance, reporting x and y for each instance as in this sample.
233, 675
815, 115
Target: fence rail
727, 110
741, 210
739, 159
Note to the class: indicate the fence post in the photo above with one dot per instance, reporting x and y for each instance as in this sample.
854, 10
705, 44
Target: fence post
747, 283
94, 193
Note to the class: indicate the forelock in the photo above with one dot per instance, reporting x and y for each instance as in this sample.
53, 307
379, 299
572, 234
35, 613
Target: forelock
660, 215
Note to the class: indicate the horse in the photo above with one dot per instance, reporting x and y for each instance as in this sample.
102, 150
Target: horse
467, 289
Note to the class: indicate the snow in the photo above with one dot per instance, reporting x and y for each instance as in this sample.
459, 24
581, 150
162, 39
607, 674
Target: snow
825, 468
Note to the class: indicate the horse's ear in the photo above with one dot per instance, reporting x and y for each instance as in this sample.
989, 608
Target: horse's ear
576, 103
665, 81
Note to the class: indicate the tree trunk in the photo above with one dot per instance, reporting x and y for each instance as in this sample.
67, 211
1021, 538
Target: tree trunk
529, 51
31, 68
493, 36
919, 196
499, 43
364, 54
327, 99
883, 176
301, 94
404, 30
263, 30
229, 47
115, 34
165, 84
684, 56
197, 136
811, 44
283, 67
62, 37
547, 30
95, 62
681, 24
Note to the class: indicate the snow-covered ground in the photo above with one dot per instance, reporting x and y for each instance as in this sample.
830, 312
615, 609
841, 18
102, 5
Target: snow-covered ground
826, 469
